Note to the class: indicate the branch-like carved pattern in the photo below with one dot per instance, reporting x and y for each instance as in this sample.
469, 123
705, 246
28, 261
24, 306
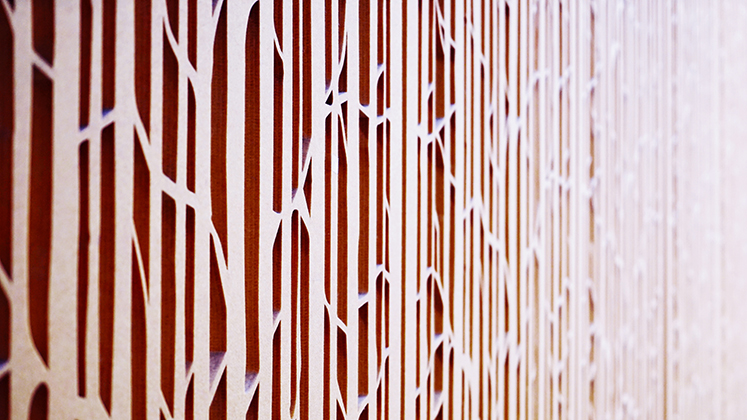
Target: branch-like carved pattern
371, 209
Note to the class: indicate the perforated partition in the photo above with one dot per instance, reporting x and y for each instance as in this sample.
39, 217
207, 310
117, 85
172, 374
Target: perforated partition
373, 209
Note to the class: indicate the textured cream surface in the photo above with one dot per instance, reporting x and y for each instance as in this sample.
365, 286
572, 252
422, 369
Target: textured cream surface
373, 209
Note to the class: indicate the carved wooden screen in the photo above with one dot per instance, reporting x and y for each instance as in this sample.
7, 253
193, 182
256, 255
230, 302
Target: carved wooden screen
372, 209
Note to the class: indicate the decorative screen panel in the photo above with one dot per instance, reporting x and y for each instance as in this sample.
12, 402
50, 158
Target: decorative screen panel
372, 209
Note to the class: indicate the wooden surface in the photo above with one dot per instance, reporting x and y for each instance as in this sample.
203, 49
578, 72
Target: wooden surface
373, 209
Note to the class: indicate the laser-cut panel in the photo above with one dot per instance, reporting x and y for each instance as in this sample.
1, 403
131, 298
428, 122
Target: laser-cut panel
372, 209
